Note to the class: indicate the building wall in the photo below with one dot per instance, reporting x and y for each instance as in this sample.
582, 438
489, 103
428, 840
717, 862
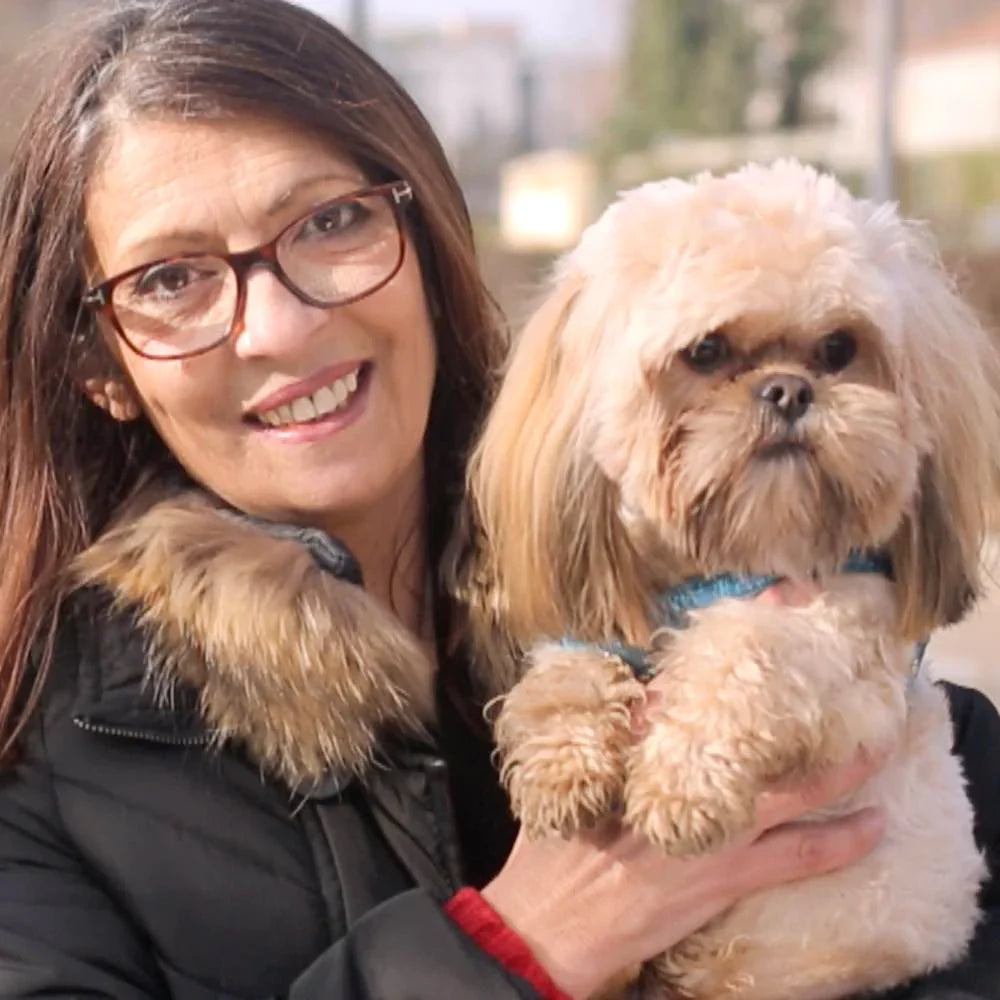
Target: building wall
573, 96
922, 22
467, 80
489, 99
947, 80
949, 101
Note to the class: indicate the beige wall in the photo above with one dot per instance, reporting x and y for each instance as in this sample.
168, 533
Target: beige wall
949, 101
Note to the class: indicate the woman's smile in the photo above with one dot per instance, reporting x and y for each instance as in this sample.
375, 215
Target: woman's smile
324, 404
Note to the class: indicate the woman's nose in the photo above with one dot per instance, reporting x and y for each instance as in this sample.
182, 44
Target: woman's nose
275, 320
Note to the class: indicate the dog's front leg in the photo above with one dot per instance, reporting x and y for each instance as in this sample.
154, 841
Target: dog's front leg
564, 733
750, 695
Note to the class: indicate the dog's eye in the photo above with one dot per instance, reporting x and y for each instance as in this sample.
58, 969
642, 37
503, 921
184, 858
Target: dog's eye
708, 354
836, 351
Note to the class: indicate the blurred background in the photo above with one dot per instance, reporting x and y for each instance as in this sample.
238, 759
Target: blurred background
547, 107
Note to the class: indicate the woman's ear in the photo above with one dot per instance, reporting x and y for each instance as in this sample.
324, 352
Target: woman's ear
113, 395
101, 379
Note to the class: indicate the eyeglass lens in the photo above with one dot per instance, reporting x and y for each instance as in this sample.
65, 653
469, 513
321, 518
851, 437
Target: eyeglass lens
337, 253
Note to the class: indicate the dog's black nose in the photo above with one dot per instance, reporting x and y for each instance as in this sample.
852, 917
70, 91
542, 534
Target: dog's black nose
790, 395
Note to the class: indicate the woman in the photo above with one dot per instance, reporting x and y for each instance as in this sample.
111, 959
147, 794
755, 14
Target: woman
245, 351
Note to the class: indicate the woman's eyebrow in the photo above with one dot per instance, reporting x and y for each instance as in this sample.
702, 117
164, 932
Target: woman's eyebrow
164, 243
351, 182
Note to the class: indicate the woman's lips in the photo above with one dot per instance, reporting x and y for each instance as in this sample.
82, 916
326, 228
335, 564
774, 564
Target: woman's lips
313, 429
287, 395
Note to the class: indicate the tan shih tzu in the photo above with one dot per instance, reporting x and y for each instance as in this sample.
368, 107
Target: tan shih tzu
736, 380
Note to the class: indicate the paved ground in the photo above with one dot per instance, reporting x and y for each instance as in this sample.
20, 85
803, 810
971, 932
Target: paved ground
969, 652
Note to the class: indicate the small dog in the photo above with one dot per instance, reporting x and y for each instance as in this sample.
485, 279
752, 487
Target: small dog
732, 381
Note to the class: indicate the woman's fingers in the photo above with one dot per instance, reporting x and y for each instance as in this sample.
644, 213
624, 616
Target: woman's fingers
785, 803
597, 902
792, 593
803, 850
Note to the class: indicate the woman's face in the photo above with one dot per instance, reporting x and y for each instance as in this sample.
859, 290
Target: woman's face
230, 415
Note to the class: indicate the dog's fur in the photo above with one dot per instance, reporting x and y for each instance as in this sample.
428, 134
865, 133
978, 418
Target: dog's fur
611, 469
304, 670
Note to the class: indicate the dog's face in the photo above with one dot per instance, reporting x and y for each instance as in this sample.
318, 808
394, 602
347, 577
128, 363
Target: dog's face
753, 406
755, 372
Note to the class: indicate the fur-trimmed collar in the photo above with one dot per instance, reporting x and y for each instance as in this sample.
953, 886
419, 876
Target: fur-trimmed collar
288, 657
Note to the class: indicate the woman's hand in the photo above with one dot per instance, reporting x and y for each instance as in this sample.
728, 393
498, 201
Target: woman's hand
595, 904
600, 902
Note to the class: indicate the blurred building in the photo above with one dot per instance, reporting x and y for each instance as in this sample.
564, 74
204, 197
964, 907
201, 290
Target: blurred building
570, 97
948, 73
947, 110
949, 91
947, 125
467, 79
488, 99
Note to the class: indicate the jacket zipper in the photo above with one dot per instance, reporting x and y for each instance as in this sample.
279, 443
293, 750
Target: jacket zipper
139, 734
436, 771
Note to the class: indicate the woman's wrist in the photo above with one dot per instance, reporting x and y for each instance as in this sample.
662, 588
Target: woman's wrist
569, 956
477, 918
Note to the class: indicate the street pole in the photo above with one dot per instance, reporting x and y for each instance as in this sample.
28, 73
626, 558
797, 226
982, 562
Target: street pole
359, 23
884, 16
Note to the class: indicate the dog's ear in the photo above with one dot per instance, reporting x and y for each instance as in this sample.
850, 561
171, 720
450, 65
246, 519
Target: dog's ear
936, 569
552, 555
950, 365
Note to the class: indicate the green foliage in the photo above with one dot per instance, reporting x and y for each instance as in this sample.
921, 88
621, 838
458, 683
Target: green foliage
814, 38
957, 192
693, 66
688, 69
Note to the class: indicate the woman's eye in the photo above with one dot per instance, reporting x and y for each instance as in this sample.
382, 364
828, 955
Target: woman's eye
334, 219
836, 351
710, 353
165, 281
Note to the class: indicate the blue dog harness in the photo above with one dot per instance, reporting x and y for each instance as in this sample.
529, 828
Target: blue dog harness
676, 604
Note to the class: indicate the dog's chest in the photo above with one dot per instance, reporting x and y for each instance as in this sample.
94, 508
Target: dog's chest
908, 907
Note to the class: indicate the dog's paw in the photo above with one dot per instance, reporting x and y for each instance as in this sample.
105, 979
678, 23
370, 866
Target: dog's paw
563, 734
730, 709
685, 802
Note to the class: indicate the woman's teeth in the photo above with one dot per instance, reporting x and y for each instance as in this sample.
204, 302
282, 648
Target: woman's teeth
321, 403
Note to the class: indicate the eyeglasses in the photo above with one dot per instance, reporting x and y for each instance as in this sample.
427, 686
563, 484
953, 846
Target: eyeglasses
178, 307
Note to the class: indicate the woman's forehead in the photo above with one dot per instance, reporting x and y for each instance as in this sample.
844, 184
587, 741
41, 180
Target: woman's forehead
200, 181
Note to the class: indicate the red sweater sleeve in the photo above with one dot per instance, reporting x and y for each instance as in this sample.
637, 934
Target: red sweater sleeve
486, 927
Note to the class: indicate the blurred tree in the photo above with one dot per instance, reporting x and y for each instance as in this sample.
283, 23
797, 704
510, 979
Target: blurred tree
689, 68
813, 38
694, 66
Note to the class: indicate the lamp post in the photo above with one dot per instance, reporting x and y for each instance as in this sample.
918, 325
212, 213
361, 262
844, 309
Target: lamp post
359, 23
884, 17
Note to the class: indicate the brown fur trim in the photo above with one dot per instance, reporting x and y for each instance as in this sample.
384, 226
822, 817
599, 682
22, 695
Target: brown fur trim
305, 670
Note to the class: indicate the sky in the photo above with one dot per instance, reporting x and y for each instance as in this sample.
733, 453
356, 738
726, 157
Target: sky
547, 25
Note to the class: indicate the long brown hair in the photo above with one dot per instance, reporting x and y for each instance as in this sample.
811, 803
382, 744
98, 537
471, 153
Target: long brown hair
64, 465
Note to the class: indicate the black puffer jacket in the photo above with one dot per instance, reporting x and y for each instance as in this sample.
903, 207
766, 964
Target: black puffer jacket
135, 863
138, 862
